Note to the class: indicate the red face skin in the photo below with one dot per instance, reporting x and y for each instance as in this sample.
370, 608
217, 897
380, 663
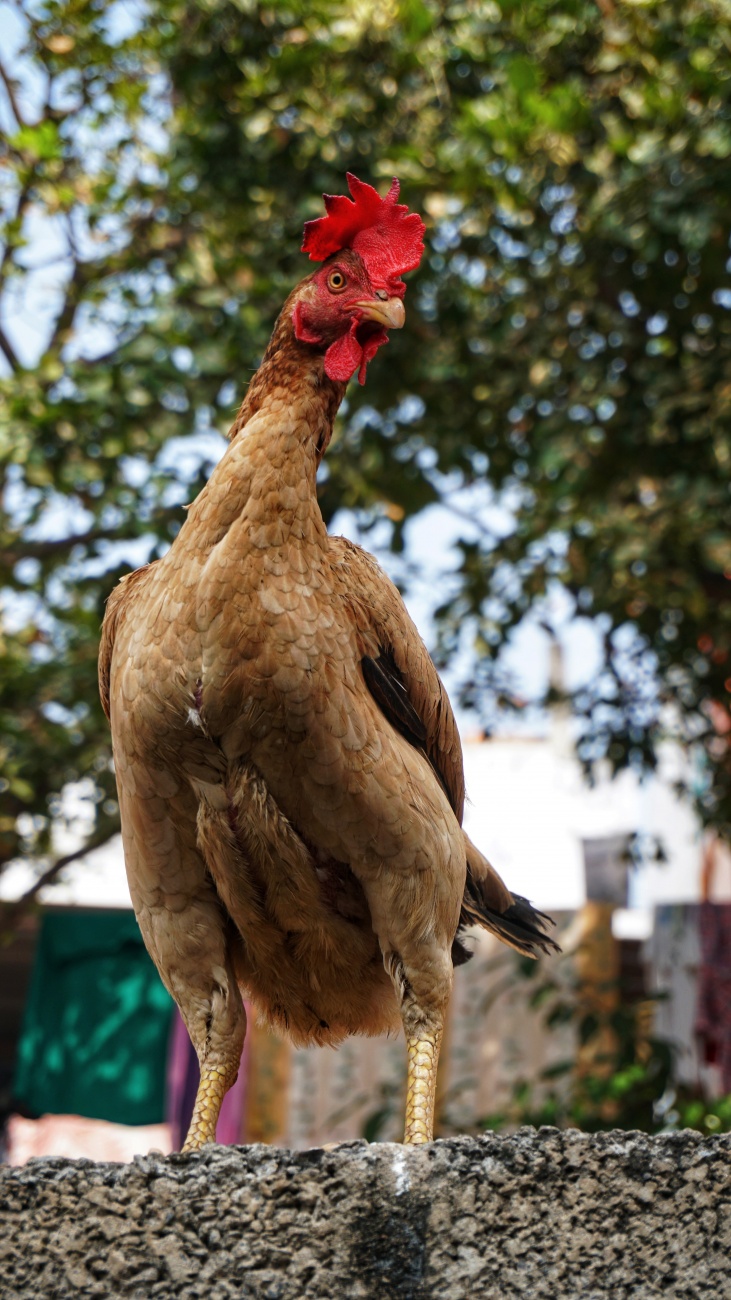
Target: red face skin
343, 311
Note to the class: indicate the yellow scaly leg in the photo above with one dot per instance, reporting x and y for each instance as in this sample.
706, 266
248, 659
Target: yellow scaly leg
421, 1086
215, 1083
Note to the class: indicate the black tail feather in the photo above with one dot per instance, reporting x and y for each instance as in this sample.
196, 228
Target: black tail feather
521, 926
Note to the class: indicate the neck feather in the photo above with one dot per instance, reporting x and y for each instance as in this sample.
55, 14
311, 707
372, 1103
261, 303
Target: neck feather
277, 441
294, 371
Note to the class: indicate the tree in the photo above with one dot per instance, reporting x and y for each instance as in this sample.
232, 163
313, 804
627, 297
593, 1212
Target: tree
568, 341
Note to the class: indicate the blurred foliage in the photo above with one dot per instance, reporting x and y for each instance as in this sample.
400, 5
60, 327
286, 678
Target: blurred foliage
567, 352
621, 1075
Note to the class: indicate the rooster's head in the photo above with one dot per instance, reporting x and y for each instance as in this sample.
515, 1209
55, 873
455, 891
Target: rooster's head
366, 243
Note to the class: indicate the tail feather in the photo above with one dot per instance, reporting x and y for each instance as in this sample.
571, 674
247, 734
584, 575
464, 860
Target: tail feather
489, 903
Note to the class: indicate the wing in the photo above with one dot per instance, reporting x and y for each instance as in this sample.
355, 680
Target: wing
406, 687
397, 667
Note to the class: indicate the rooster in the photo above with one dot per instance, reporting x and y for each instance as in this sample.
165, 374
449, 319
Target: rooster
288, 764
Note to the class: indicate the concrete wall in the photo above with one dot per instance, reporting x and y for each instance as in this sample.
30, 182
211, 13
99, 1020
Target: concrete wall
539, 1214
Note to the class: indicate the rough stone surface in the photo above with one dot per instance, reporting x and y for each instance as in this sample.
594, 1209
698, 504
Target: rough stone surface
539, 1214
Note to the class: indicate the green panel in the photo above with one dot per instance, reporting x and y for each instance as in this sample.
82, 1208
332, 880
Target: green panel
96, 1027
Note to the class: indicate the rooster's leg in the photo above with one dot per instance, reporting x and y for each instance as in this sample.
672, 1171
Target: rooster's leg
423, 987
213, 1012
421, 1086
214, 1084
184, 929
203, 983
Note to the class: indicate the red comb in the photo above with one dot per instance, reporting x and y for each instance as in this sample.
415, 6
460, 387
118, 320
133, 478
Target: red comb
389, 238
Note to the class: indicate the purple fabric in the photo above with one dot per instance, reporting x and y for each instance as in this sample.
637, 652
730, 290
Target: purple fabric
713, 1019
182, 1084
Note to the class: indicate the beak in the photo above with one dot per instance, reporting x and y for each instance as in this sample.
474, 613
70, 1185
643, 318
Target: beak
389, 313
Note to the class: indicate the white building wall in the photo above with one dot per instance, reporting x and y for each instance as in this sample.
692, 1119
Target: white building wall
528, 810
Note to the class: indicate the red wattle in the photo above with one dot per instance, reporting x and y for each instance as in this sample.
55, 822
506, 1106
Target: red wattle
370, 348
343, 357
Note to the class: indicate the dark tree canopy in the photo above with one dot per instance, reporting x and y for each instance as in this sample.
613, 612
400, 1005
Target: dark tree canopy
568, 336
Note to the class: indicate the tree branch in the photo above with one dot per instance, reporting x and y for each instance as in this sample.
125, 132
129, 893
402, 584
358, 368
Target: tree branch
10, 354
47, 548
65, 320
12, 97
10, 913
7, 252
92, 272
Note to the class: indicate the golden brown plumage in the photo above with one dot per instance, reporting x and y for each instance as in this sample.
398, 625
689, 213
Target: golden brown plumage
289, 768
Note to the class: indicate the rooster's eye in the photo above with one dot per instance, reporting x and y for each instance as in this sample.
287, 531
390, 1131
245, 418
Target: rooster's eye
336, 281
